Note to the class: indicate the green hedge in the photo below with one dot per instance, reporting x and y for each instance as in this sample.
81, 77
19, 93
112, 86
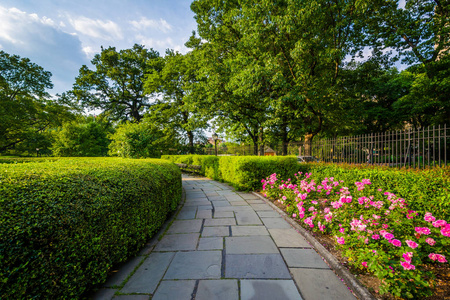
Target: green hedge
243, 172
65, 223
424, 190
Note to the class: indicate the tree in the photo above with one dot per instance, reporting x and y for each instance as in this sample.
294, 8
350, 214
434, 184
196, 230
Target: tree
85, 136
117, 84
174, 83
281, 59
139, 140
26, 109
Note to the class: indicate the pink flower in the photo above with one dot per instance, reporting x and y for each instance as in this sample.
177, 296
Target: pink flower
326, 210
385, 226
396, 243
412, 244
389, 236
445, 230
364, 263
314, 202
376, 236
429, 217
341, 240
408, 256
432, 256
439, 223
312, 208
430, 241
284, 198
423, 230
342, 230
407, 266
294, 216
441, 258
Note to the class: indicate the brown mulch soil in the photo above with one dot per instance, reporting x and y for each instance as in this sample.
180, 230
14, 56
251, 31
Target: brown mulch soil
441, 289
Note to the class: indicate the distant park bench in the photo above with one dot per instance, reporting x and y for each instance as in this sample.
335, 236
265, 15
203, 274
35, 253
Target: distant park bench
190, 168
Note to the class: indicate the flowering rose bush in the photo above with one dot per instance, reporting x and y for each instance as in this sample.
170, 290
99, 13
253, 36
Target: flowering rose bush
375, 229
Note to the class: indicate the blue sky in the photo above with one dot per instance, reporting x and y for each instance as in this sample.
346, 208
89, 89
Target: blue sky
62, 35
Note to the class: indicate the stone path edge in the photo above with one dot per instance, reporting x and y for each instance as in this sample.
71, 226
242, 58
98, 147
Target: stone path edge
350, 280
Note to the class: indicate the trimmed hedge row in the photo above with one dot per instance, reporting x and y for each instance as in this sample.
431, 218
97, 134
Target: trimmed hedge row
423, 189
243, 172
65, 223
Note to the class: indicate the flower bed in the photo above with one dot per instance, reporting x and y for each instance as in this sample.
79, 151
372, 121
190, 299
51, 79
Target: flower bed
374, 228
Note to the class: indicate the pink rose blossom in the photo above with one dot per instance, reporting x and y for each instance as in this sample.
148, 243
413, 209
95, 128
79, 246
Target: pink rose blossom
341, 240
364, 263
376, 236
445, 230
439, 223
294, 216
430, 241
429, 217
412, 244
342, 230
423, 230
408, 256
441, 258
407, 266
396, 243
389, 236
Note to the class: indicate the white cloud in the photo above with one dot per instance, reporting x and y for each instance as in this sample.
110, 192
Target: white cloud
42, 40
89, 51
106, 30
161, 44
144, 23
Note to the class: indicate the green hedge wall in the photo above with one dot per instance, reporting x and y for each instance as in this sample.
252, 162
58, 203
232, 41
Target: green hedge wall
243, 172
424, 190
65, 223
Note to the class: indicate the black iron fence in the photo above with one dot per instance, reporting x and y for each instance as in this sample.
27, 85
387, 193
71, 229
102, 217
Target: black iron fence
419, 148
424, 147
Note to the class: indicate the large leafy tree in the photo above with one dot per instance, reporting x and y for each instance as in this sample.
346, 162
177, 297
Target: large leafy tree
26, 108
283, 59
116, 86
85, 136
174, 84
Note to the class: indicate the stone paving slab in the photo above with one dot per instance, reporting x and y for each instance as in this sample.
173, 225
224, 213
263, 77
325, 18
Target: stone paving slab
303, 258
205, 207
187, 214
250, 245
224, 214
147, 277
171, 290
320, 284
217, 290
185, 226
269, 290
177, 242
123, 272
248, 196
249, 230
272, 223
288, 238
220, 203
103, 294
220, 222
247, 218
258, 207
204, 214
210, 243
256, 266
256, 201
239, 203
132, 297
268, 214
195, 265
216, 231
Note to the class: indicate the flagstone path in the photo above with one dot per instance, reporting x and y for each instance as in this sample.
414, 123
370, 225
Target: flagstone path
225, 245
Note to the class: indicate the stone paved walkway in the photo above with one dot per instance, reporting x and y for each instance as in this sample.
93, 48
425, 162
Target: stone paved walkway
226, 245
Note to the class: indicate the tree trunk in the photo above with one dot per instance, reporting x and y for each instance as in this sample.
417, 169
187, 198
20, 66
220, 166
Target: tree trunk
191, 141
261, 141
308, 143
285, 141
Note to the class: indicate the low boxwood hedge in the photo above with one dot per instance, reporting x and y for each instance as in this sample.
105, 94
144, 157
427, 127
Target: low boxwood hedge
243, 172
427, 189
65, 223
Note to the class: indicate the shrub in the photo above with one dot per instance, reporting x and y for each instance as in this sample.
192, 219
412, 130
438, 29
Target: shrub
376, 228
65, 223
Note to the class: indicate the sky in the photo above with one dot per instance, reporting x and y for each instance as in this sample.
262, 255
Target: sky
63, 35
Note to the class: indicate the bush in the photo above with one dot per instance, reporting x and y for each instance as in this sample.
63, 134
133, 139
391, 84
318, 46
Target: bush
376, 228
65, 223
243, 172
